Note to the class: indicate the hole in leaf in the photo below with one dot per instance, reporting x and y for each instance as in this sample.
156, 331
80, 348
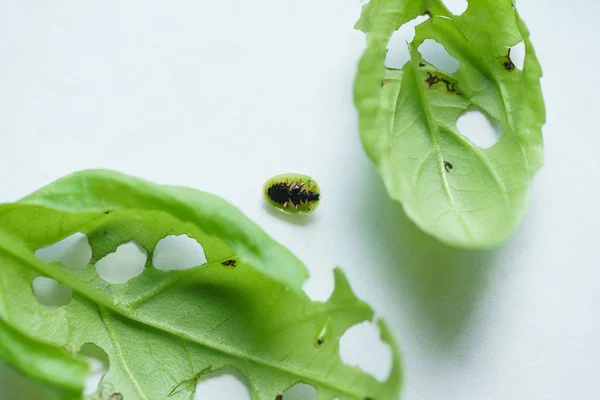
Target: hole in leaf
319, 287
517, 55
478, 127
98, 360
361, 345
73, 252
300, 391
437, 55
125, 263
227, 383
50, 293
178, 252
398, 53
456, 7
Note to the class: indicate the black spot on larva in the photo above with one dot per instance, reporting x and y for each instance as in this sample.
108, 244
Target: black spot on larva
116, 396
295, 194
447, 166
279, 193
229, 263
107, 212
282, 193
319, 342
421, 64
278, 397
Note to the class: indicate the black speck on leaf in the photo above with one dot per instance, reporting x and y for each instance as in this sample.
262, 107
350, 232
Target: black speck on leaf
447, 166
229, 263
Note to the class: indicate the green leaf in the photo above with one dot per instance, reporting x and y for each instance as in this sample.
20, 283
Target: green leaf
408, 123
163, 330
60, 374
96, 192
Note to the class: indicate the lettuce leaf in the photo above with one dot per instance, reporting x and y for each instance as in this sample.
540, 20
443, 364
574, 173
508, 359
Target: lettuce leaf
163, 330
462, 194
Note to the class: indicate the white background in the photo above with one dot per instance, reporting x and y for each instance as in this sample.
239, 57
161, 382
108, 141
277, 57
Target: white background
221, 95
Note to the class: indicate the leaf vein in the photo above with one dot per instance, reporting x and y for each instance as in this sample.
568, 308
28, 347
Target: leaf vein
119, 350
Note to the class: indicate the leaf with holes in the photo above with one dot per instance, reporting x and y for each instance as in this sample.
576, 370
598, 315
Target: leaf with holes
94, 193
163, 329
462, 194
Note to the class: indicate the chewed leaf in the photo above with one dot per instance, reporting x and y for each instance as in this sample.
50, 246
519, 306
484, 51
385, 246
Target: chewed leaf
163, 330
100, 191
462, 194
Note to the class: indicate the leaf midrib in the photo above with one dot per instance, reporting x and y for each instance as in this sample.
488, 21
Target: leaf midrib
110, 330
433, 129
477, 58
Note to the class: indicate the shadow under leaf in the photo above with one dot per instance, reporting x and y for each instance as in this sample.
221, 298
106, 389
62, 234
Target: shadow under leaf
441, 284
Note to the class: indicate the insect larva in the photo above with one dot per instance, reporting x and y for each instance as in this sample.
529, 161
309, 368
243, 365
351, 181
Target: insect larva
292, 193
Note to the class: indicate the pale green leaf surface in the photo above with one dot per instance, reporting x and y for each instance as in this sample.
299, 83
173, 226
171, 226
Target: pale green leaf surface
163, 330
59, 374
408, 127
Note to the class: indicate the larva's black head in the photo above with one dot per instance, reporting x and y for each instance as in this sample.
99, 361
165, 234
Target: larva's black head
313, 196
